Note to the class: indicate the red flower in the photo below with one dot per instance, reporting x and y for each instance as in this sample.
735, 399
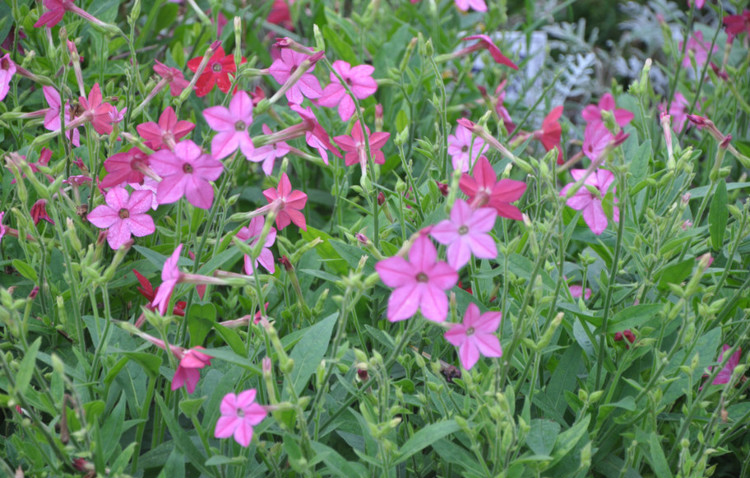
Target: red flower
736, 24
216, 73
551, 132
147, 291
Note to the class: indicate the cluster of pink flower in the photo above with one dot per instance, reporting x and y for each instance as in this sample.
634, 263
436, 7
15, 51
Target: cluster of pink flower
420, 283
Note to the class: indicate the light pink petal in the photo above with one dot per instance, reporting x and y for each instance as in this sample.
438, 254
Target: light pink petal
117, 198
171, 188
219, 118
165, 163
434, 303
346, 108
229, 405
266, 260
199, 192
461, 212
456, 335
607, 102
458, 253
395, 271
487, 344
488, 322
225, 426
468, 354
442, 276
140, 201
422, 254
118, 234
482, 246
224, 144
243, 434
445, 232
310, 86
482, 220
595, 217
241, 107
623, 117
580, 200
141, 224
332, 95
103, 216
208, 168
404, 302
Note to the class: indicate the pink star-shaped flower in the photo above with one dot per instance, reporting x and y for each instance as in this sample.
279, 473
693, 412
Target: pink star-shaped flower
269, 153
466, 233
465, 5
167, 132
186, 172
123, 216
251, 234
475, 336
354, 146
285, 65
239, 414
52, 114
484, 189
593, 113
232, 126
125, 167
188, 371
290, 204
419, 283
551, 133
591, 204
173, 76
55, 11
358, 79
461, 144
316, 136
98, 113
700, 49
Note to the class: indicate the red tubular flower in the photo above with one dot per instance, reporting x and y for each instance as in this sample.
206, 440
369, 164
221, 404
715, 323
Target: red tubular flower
216, 73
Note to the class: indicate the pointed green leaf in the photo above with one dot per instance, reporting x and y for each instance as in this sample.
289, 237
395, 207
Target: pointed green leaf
718, 214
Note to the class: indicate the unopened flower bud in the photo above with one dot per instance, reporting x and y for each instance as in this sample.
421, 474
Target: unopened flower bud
381, 198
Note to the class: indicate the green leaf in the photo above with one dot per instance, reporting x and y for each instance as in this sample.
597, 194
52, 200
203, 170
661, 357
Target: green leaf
657, 459
182, 438
633, 317
232, 358
231, 338
718, 214
639, 162
426, 437
698, 193
167, 16
218, 460
542, 436
201, 318
148, 361
191, 406
25, 270
26, 369
675, 273
568, 439
342, 48
308, 353
337, 464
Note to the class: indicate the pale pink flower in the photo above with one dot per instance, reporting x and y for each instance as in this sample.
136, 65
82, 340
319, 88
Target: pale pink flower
251, 234
150, 185
700, 49
698, 3
355, 148
173, 76
466, 233
726, 373
188, 371
7, 70
461, 144
52, 114
465, 5
593, 113
475, 336
269, 153
591, 204
484, 189
576, 291
290, 203
359, 80
170, 276
239, 414
123, 216
232, 126
186, 172
167, 132
283, 68
419, 283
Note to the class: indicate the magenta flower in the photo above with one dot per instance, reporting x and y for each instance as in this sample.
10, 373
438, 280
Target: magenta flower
678, 110
354, 146
232, 126
486, 43
7, 70
593, 113
38, 212
475, 336
484, 189
167, 132
700, 49
125, 167
98, 113
52, 114
736, 25
315, 135
466, 233
465, 5
698, 3
576, 291
726, 373
290, 204
596, 138
283, 68
3, 229
459, 146
170, 276
55, 11
173, 76
251, 234
360, 82
590, 203
419, 283
186, 172
188, 371
239, 414
269, 153
123, 216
